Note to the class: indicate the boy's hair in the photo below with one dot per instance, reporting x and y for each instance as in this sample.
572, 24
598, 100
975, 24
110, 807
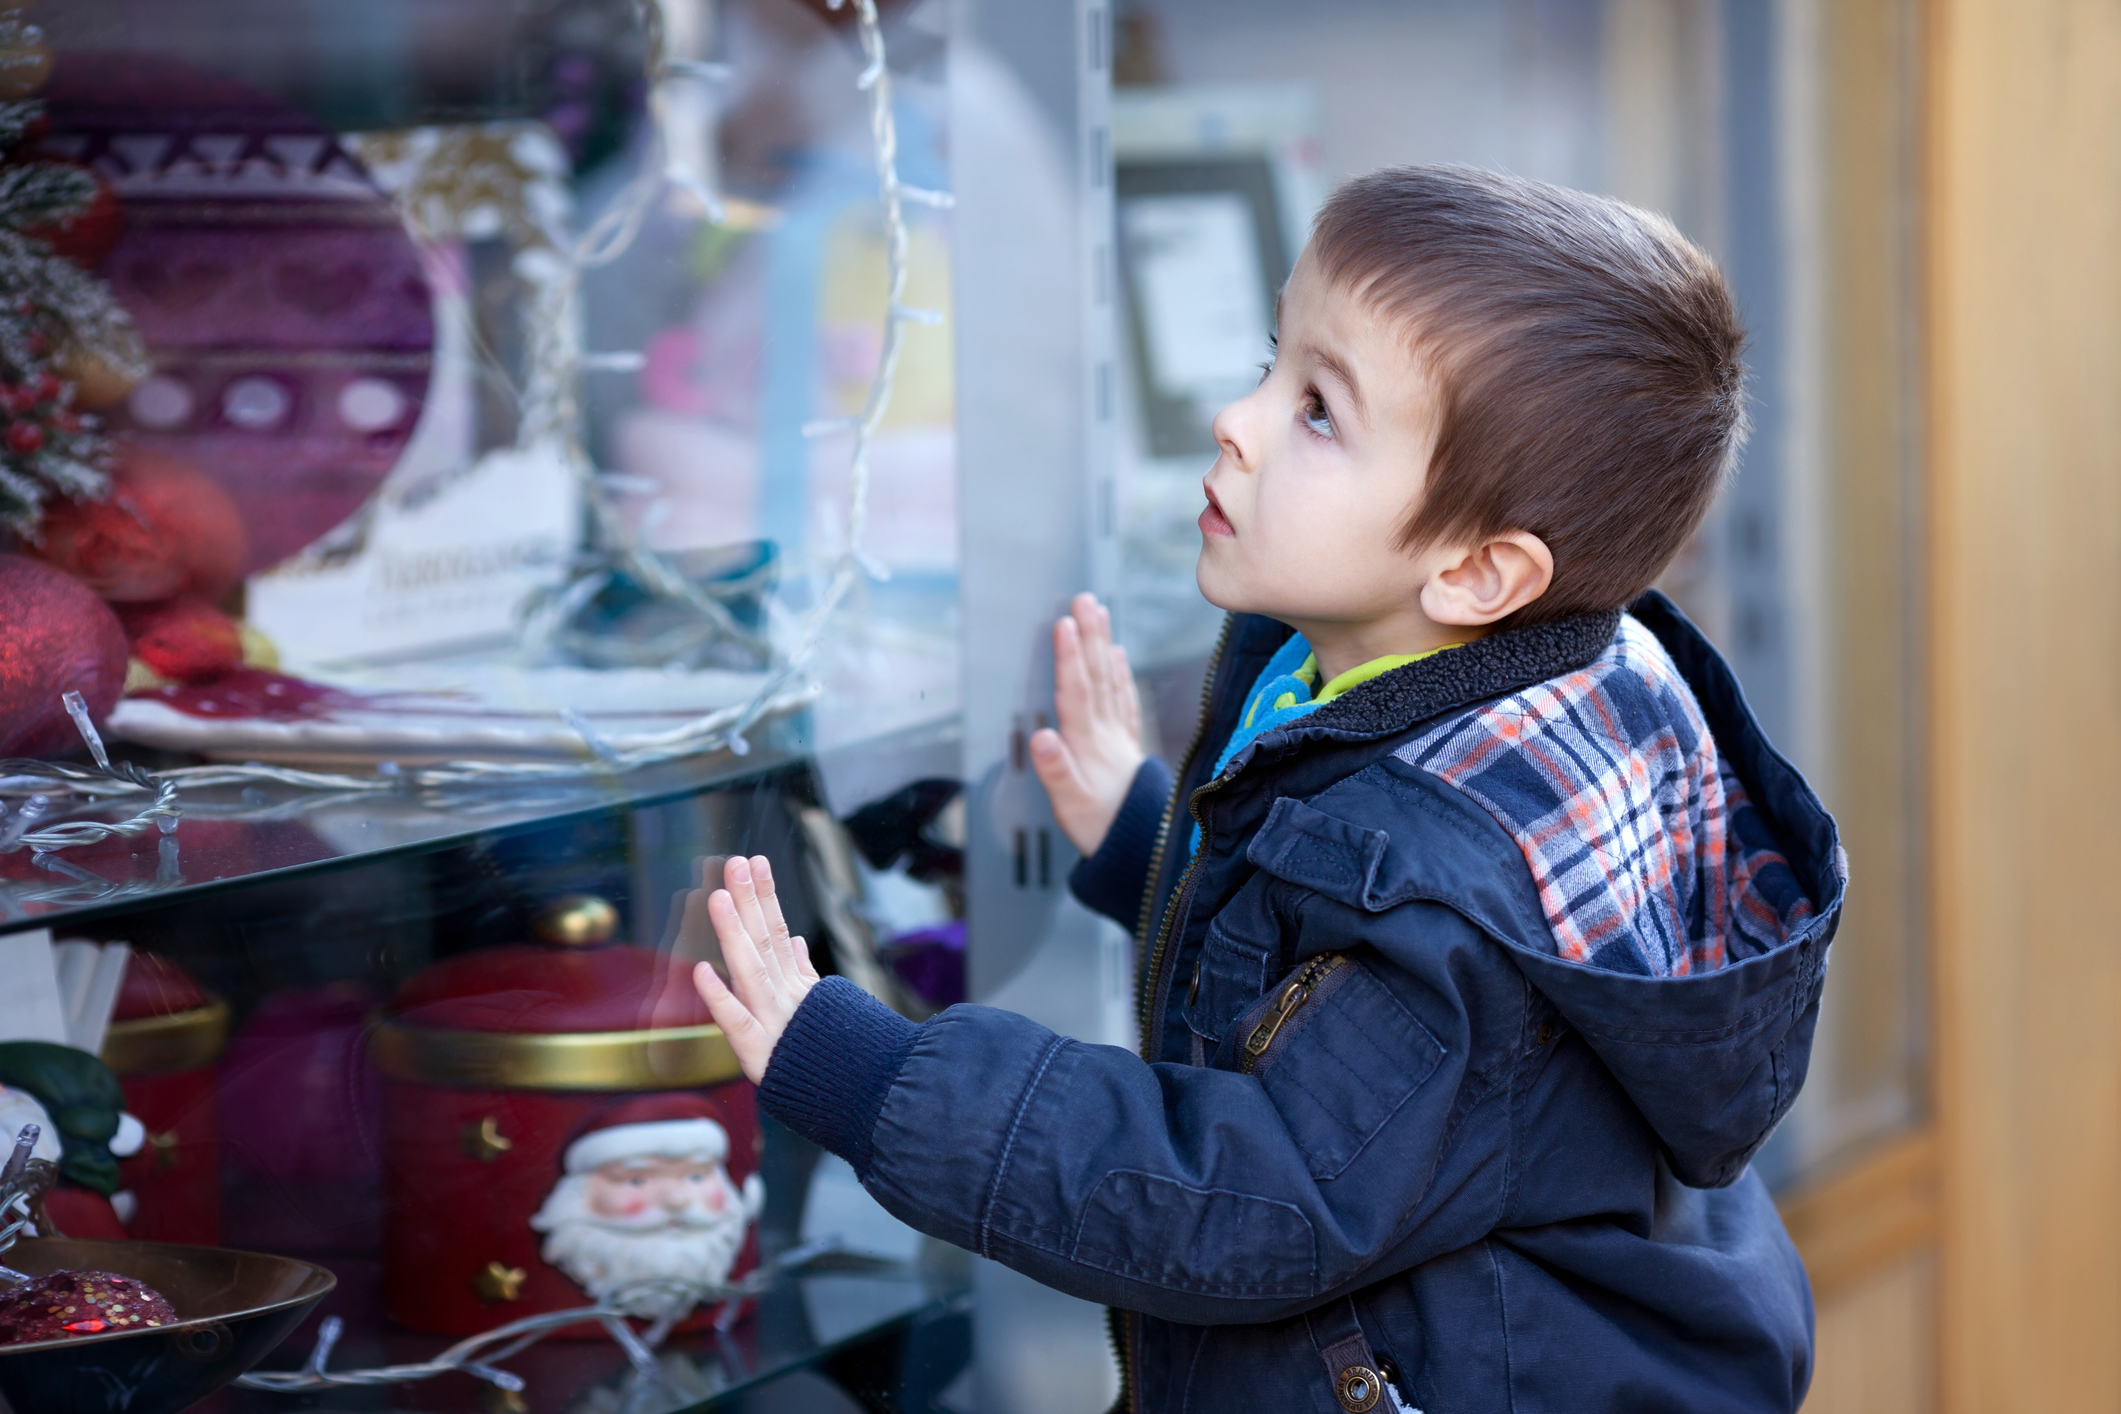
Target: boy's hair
1587, 360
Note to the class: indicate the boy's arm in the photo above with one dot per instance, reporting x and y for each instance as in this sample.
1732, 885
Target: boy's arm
1113, 879
1363, 1142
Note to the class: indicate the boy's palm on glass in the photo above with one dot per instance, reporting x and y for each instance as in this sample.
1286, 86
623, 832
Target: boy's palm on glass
1088, 765
769, 971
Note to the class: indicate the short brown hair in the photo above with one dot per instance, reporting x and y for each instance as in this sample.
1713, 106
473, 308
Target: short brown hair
1587, 359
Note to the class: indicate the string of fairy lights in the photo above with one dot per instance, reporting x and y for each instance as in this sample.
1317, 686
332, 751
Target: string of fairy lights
550, 413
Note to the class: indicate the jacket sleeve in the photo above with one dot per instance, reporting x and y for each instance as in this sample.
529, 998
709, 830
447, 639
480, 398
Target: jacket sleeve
1363, 1143
1111, 881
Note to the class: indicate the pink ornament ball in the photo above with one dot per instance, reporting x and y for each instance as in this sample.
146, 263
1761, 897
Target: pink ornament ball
56, 636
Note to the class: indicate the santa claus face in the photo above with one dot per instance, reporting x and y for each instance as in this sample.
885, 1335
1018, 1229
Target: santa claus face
648, 1233
658, 1191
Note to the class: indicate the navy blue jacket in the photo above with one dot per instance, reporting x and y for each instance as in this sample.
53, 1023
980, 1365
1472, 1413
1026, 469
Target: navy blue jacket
1382, 1125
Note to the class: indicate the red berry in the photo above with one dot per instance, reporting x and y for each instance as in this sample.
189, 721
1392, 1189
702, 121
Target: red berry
24, 437
47, 387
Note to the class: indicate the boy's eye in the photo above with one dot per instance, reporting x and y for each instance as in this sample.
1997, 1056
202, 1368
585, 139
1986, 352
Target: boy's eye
1316, 418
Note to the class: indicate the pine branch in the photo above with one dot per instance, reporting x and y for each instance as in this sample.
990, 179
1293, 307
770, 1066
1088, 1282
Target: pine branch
43, 194
15, 119
71, 308
21, 502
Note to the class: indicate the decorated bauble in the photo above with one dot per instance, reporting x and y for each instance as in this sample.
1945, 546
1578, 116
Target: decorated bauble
56, 636
88, 235
285, 309
183, 640
166, 530
65, 1305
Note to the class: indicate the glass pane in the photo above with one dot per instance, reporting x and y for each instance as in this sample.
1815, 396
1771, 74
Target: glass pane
511, 463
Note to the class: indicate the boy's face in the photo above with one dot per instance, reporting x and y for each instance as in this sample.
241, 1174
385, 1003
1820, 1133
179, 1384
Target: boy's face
1320, 467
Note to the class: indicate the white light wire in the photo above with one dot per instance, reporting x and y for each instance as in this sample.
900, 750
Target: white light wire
552, 414
479, 1355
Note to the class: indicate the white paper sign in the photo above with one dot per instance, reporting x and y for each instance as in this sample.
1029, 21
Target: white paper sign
90, 975
447, 571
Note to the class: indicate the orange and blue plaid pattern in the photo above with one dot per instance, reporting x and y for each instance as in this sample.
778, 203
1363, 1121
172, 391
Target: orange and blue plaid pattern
1648, 856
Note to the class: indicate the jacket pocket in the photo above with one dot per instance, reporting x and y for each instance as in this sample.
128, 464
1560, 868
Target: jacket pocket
1338, 1058
1232, 972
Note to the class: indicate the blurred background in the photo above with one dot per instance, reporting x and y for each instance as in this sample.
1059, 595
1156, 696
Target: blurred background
1916, 570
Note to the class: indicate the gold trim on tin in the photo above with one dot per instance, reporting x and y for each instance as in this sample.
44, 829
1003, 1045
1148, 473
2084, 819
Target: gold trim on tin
182, 1040
660, 1059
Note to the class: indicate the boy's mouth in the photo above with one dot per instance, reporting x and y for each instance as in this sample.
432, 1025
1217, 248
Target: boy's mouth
1212, 520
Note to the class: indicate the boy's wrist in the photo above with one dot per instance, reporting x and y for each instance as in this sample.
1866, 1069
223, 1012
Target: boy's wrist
1110, 879
833, 1067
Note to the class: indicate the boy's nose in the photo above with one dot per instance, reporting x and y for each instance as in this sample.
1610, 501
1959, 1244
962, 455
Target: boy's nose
1234, 429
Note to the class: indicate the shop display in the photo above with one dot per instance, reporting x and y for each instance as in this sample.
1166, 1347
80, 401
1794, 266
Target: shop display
379, 582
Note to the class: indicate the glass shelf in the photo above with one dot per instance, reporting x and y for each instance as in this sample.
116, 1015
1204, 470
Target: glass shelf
880, 1328
232, 835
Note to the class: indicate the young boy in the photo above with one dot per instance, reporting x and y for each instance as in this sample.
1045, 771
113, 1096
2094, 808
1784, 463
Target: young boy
1484, 932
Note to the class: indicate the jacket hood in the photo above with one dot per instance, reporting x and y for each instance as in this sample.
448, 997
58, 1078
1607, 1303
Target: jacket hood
1714, 1058
1710, 1038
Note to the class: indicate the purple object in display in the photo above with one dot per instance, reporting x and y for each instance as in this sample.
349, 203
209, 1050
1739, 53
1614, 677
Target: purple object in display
932, 962
299, 1100
284, 305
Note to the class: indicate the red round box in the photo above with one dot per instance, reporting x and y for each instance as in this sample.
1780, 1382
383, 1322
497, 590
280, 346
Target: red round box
493, 1062
164, 1045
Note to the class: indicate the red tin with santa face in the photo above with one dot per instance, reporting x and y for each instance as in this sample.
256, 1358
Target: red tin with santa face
567, 1100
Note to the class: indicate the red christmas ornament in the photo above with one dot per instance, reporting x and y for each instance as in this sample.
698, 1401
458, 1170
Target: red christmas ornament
166, 530
65, 1304
187, 640
24, 438
58, 637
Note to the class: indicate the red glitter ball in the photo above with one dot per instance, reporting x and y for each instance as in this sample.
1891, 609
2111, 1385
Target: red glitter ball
58, 637
61, 1305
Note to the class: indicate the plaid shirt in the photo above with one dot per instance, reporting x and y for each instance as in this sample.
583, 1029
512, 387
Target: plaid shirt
1647, 854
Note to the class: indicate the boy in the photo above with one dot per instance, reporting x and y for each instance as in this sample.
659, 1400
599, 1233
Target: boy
1484, 936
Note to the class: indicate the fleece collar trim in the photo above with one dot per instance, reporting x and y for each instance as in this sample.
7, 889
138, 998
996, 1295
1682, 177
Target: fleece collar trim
1483, 669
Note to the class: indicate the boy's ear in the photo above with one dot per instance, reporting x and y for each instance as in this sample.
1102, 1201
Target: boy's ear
1490, 581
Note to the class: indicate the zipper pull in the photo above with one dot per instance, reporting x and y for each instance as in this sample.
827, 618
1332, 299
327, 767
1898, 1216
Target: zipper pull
1291, 998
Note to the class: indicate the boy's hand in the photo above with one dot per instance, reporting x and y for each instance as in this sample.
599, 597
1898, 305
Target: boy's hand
1090, 762
769, 971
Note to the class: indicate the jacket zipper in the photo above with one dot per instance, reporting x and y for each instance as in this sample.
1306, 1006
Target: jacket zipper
1285, 1006
1118, 1326
1146, 1002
